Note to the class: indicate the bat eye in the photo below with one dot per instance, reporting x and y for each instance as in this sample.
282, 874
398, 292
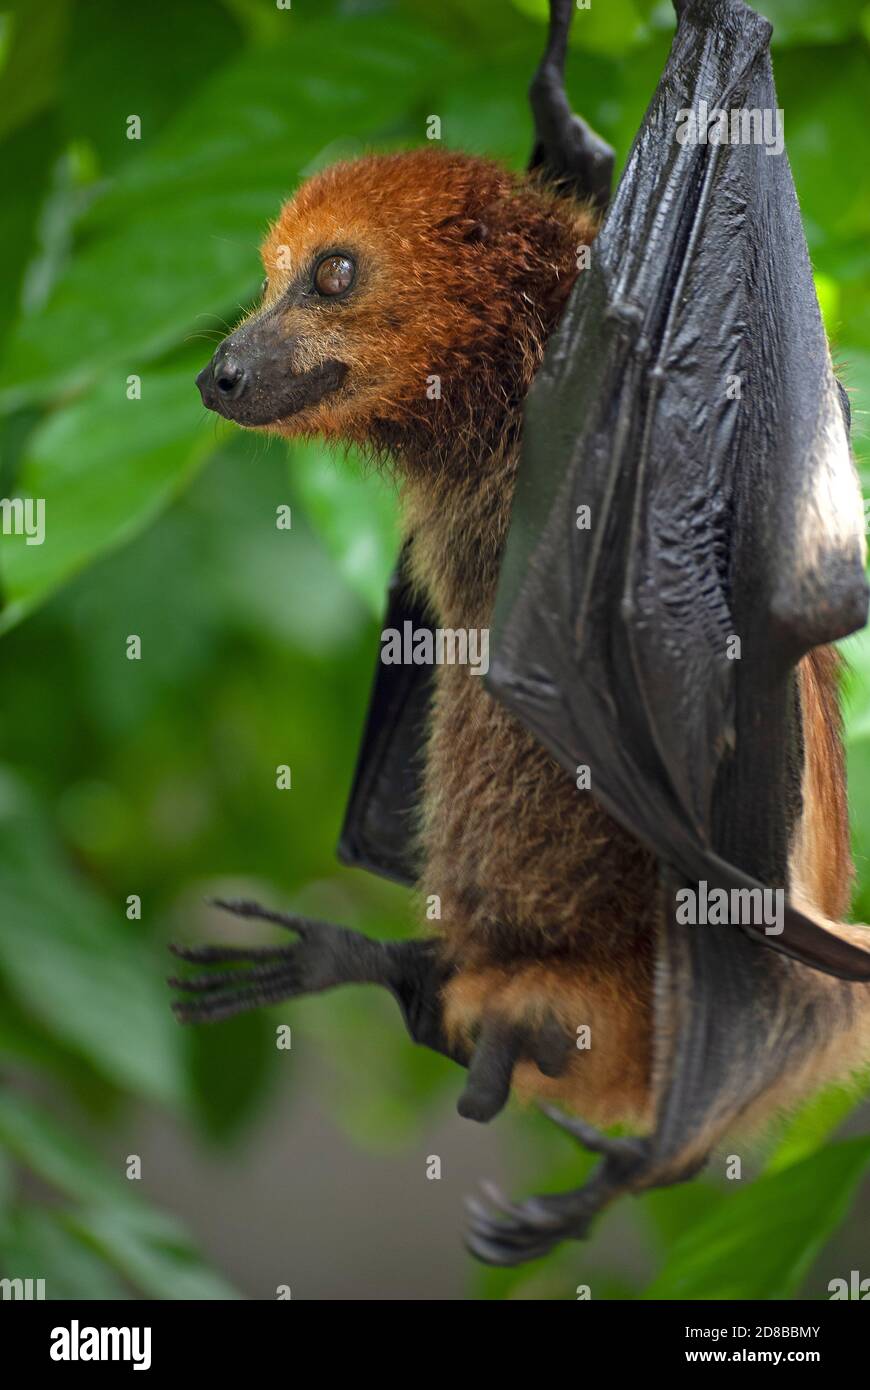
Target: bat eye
334, 275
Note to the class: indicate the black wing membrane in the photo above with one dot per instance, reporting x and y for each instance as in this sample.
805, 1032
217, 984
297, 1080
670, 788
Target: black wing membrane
380, 821
688, 401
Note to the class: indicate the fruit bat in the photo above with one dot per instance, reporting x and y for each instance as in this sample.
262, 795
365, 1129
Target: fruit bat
636, 821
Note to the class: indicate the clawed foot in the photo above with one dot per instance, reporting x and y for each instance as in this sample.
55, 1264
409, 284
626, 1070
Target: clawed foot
267, 974
500, 1232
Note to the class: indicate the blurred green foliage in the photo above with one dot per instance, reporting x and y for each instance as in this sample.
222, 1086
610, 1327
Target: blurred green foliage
156, 777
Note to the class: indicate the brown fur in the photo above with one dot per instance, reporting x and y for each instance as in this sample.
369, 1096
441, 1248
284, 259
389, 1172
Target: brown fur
822, 861
546, 903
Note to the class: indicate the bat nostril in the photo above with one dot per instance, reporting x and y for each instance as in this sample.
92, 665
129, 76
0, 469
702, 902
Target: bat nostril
230, 379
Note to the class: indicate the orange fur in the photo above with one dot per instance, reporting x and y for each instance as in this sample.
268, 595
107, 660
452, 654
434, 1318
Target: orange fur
463, 270
821, 859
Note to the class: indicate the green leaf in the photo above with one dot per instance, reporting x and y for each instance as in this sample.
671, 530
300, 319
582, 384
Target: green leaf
24, 1042
104, 467
760, 1240
229, 1071
855, 375
672, 1210
813, 1124
482, 111
150, 1250
25, 165
128, 69
148, 1247
75, 966
354, 514
817, 91
29, 80
808, 22
38, 1243
7, 1189
40, 1145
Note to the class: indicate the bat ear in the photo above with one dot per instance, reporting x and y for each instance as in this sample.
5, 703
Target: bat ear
469, 229
567, 152
476, 232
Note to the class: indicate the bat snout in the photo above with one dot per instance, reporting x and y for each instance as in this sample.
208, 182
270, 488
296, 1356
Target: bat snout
228, 379
251, 378
224, 380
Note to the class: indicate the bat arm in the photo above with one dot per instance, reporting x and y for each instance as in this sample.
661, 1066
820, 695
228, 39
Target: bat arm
415, 975
566, 149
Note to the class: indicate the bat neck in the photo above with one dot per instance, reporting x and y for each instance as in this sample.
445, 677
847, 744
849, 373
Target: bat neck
457, 519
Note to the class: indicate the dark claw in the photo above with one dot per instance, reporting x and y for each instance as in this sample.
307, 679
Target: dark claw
534, 1210
512, 1233
501, 1232
486, 1223
273, 973
481, 1222
623, 1152
223, 955
494, 1252
322, 957
216, 979
496, 1198
273, 976
230, 1002
525, 1231
243, 907
526, 1220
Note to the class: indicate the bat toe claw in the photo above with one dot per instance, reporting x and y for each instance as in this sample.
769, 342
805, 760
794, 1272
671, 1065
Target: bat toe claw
534, 1212
494, 1245
245, 907
265, 976
501, 1232
260, 975
622, 1153
489, 1252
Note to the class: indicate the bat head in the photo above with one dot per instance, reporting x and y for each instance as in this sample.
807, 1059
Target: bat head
406, 304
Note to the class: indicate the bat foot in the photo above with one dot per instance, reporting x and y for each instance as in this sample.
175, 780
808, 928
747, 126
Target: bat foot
323, 956
221, 994
501, 1232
